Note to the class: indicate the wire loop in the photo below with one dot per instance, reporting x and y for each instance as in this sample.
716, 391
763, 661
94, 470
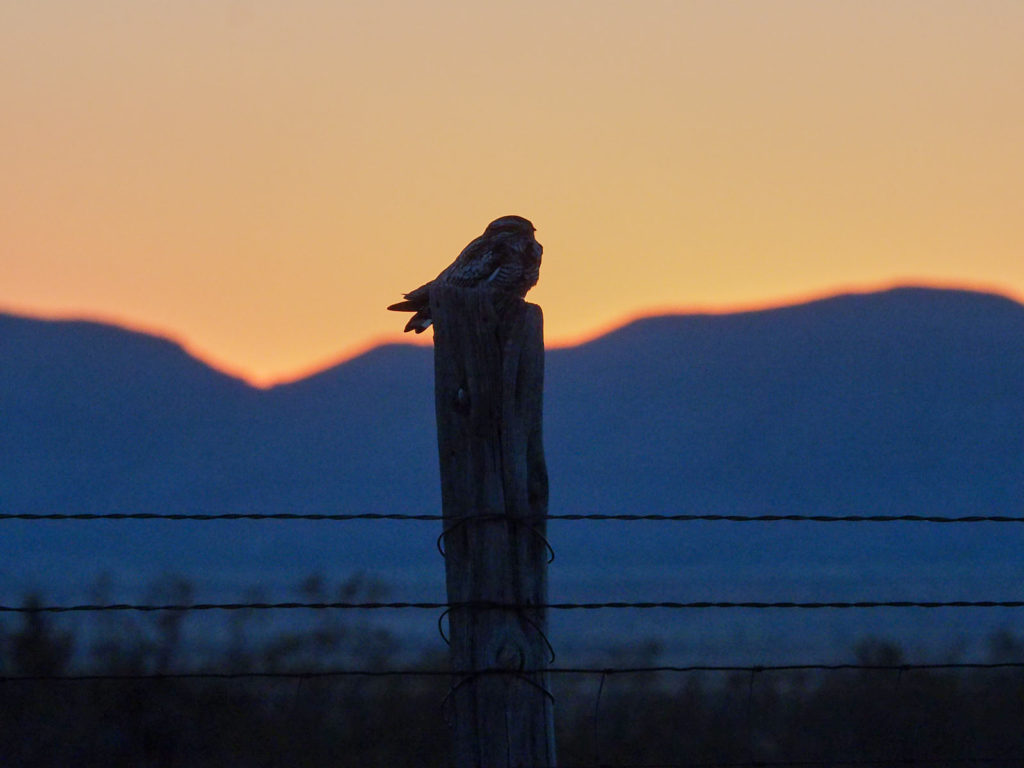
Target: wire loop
491, 517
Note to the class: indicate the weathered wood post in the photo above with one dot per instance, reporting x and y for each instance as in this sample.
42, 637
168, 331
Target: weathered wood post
489, 379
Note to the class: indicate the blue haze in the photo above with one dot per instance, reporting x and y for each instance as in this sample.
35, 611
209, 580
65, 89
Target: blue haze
909, 401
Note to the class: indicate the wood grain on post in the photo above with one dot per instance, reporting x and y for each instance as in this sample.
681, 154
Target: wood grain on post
489, 380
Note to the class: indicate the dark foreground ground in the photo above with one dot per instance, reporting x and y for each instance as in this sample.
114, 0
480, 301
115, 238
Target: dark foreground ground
883, 711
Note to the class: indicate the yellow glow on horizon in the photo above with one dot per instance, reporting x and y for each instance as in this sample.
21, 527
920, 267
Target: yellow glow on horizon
261, 179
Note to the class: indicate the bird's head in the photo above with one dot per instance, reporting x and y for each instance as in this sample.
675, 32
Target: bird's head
513, 225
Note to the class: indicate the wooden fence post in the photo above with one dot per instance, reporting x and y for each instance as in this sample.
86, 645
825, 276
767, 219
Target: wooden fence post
489, 379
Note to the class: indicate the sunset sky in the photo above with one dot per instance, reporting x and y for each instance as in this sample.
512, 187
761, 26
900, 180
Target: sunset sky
258, 179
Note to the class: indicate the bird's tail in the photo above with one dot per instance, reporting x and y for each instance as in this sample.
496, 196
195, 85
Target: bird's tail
418, 322
406, 306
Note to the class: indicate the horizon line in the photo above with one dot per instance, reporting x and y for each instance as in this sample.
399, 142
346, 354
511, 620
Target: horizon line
561, 342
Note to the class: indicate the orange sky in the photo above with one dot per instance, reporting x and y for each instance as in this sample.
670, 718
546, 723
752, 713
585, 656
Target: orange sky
259, 178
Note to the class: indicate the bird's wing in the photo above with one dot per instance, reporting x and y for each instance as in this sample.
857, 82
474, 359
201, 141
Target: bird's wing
483, 260
475, 264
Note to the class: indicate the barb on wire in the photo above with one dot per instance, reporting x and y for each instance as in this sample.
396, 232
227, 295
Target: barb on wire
489, 605
684, 518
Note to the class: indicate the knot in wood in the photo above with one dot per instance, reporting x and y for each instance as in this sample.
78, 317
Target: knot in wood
461, 400
510, 657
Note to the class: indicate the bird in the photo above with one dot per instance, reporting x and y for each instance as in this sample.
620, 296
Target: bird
505, 257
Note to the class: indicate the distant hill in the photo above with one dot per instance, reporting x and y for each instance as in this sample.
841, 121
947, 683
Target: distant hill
909, 401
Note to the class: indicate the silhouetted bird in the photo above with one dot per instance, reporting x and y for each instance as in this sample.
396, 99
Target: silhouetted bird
506, 257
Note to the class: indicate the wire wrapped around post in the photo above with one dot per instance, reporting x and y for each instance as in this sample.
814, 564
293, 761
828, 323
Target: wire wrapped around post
489, 379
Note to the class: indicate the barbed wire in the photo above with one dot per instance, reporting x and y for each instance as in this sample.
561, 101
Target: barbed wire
604, 672
494, 605
823, 763
684, 518
218, 516
581, 671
